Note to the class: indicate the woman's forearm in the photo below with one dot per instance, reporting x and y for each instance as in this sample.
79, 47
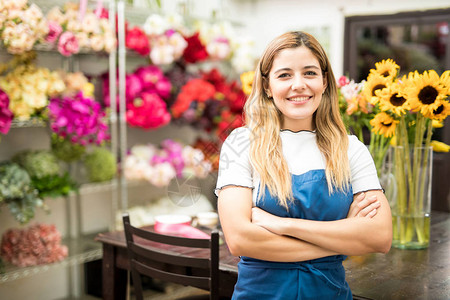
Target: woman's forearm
351, 236
247, 239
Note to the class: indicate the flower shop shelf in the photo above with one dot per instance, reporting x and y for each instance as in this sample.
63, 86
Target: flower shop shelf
33, 122
81, 250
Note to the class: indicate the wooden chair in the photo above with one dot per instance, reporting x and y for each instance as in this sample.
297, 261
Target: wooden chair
160, 263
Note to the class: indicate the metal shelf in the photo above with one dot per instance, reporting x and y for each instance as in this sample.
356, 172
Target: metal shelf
33, 122
81, 250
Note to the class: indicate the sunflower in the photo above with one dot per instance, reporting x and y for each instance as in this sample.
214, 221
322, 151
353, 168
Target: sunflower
425, 92
374, 83
440, 113
445, 80
391, 99
386, 68
247, 81
384, 124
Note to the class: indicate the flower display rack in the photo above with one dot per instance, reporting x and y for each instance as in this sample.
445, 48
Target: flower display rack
82, 250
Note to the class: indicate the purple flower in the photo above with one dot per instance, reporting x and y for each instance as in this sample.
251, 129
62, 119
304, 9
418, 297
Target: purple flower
78, 118
6, 115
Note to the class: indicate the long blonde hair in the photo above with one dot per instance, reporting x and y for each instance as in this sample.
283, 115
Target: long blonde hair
264, 121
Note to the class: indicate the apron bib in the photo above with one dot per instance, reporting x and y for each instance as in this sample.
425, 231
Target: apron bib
322, 278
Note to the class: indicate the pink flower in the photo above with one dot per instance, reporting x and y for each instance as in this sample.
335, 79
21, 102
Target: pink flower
68, 44
343, 81
6, 115
37, 244
149, 75
149, 112
78, 118
54, 30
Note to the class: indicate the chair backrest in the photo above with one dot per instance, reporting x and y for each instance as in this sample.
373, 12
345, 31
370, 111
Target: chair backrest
150, 254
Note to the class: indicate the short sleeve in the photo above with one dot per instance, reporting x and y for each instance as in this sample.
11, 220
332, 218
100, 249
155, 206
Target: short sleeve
363, 171
234, 164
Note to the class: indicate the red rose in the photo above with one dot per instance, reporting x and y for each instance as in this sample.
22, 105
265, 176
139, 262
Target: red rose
195, 50
137, 40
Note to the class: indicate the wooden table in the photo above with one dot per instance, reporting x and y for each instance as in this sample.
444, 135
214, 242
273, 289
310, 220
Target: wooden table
400, 274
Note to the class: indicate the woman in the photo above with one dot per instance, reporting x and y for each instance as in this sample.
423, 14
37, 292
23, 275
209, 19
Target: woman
296, 194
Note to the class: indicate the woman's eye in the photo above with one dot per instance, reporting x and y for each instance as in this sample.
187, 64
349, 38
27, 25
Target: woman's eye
311, 73
283, 75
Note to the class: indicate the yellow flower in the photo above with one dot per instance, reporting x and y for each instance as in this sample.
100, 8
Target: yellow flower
393, 141
440, 113
439, 146
386, 68
425, 92
88, 89
384, 124
374, 83
445, 80
247, 81
437, 124
392, 99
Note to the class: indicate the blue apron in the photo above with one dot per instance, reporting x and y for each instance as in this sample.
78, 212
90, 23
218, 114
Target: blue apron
322, 278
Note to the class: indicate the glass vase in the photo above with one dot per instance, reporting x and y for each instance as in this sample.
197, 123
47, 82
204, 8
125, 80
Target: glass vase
407, 182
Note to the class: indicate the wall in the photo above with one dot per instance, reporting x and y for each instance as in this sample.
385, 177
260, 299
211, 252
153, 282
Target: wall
265, 19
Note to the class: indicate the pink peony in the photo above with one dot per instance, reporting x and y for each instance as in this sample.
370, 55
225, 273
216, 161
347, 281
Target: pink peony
149, 112
54, 30
68, 44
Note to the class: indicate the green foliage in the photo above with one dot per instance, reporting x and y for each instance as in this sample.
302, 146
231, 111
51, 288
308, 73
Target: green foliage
100, 164
54, 185
65, 150
38, 163
18, 193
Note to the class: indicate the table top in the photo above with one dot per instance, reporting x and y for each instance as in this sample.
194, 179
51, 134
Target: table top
400, 274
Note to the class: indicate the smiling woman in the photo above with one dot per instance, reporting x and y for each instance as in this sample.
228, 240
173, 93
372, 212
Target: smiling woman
296, 194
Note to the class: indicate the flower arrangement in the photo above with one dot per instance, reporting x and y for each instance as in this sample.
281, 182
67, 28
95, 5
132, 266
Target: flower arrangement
36, 245
29, 89
166, 36
45, 172
136, 39
72, 30
404, 110
6, 114
21, 25
217, 37
101, 165
160, 164
79, 119
146, 89
17, 192
208, 101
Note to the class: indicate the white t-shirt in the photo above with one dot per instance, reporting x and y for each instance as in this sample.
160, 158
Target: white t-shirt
302, 155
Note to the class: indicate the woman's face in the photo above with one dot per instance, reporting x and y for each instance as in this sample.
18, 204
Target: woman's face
296, 84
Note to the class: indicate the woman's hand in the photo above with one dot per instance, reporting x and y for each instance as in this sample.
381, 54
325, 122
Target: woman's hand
363, 206
266, 220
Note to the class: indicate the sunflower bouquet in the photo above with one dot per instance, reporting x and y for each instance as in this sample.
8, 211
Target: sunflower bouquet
407, 108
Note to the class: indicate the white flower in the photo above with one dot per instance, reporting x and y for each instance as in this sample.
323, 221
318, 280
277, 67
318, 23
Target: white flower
90, 23
178, 43
164, 173
162, 55
155, 25
219, 49
56, 15
143, 152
